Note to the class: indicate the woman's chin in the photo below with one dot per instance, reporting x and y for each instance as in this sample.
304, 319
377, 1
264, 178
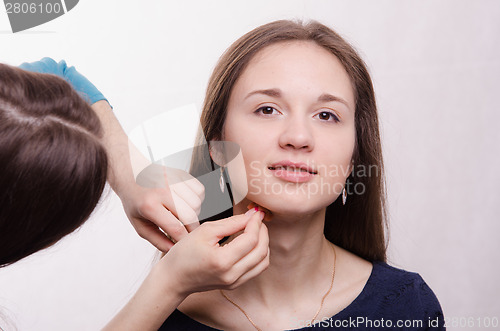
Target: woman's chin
290, 206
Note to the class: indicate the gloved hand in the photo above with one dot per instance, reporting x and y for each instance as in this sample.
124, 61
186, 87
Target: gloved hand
82, 85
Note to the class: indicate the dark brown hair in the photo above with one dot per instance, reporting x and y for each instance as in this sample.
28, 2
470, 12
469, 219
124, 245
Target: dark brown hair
360, 225
52, 164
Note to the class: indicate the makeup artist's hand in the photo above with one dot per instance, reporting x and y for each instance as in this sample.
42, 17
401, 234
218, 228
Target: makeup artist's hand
201, 264
80, 83
163, 201
197, 263
268, 214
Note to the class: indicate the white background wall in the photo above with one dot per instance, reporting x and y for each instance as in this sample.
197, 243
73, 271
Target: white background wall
436, 70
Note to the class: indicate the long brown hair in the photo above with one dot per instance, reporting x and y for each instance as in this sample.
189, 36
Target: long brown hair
360, 225
52, 164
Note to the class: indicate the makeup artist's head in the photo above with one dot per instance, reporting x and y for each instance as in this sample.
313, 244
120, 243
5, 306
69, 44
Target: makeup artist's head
299, 102
52, 164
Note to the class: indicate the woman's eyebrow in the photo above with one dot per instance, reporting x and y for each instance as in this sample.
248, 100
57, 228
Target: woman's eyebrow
326, 97
276, 93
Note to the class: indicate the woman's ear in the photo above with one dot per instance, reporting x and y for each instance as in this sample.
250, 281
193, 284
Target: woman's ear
223, 152
228, 154
216, 150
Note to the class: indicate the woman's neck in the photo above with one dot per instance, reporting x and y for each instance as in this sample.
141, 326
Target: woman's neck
301, 259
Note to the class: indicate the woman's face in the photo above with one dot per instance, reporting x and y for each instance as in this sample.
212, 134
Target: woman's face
292, 113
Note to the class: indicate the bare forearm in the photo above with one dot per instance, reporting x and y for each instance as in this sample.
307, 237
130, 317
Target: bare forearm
149, 307
148, 208
125, 160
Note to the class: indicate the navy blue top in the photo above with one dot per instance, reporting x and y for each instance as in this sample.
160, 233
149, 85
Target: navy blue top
392, 299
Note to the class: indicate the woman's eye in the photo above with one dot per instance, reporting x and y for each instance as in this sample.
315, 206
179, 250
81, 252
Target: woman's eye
327, 116
266, 110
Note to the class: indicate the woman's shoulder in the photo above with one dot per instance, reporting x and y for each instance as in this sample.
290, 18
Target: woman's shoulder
395, 294
385, 272
399, 283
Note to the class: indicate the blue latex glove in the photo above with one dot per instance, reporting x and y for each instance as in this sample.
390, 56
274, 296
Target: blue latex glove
82, 85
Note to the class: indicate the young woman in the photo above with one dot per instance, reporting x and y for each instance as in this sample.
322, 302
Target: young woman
299, 102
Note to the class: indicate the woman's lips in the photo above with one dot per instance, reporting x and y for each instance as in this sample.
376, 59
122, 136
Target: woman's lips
292, 171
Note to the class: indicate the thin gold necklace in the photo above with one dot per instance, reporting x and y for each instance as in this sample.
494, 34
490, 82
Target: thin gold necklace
315, 315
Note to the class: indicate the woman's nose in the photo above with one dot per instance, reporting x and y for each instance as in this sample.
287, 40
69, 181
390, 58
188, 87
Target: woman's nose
297, 135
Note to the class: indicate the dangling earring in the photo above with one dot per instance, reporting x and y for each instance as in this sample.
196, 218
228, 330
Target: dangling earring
221, 180
344, 192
